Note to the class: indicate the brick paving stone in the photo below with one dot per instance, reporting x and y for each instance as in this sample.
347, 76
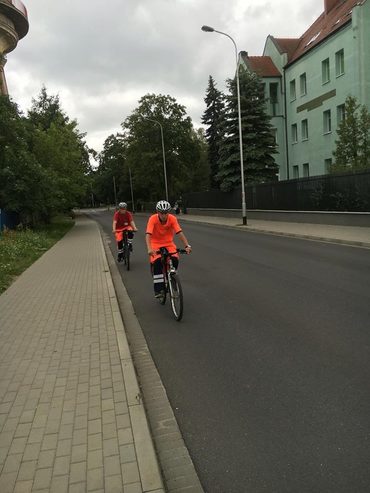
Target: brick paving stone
64, 416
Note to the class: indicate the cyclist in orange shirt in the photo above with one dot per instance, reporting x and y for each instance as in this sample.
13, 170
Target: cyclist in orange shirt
160, 232
122, 220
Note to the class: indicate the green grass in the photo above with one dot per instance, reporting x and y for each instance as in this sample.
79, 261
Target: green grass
19, 249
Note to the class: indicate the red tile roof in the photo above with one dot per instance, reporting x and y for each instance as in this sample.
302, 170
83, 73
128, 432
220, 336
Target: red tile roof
327, 24
261, 65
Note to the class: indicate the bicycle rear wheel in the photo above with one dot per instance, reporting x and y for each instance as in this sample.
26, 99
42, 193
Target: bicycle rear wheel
176, 296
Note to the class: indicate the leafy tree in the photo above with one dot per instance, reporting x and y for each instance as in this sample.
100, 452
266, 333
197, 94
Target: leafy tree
112, 169
258, 140
352, 146
213, 117
61, 151
144, 148
25, 186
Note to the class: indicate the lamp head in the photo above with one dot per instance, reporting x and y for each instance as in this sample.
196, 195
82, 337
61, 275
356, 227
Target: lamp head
207, 29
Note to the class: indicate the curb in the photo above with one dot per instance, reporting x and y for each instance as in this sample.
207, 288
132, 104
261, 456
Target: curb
151, 479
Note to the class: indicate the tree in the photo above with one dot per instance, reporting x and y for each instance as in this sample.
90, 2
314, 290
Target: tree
352, 146
112, 169
214, 117
144, 148
61, 151
25, 186
258, 140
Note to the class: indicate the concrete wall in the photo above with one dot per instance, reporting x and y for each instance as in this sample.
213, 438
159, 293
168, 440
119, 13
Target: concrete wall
361, 219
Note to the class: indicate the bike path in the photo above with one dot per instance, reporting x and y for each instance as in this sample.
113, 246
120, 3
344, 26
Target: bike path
71, 414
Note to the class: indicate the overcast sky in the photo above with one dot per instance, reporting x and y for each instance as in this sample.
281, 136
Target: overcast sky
102, 56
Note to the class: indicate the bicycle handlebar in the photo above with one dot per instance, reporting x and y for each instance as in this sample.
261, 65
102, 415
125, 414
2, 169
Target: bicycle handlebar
178, 250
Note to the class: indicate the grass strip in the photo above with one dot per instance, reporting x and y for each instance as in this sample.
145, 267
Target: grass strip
21, 248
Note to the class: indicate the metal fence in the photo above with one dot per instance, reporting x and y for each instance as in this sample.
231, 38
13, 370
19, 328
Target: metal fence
339, 192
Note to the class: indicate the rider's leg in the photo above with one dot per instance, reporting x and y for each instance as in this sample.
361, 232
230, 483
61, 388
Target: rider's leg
130, 236
158, 279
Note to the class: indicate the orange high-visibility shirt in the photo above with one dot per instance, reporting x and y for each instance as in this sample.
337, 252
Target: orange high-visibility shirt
161, 235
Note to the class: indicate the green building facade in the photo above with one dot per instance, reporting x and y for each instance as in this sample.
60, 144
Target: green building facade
307, 80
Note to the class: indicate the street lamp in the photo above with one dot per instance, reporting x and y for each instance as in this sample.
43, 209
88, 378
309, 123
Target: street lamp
164, 158
209, 29
132, 190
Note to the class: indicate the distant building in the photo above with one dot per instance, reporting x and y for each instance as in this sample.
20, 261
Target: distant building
307, 80
13, 27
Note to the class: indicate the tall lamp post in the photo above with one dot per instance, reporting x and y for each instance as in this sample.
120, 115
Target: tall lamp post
164, 157
209, 29
132, 190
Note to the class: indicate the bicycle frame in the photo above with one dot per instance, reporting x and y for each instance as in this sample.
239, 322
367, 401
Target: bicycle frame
172, 284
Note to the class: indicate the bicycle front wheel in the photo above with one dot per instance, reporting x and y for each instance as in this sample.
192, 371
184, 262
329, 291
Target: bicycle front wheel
176, 296
127, 256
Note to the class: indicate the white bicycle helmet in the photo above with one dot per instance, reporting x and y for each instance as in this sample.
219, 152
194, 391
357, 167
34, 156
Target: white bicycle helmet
163, 206
122, 205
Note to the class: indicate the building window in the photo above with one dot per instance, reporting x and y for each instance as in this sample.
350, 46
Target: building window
341, 114
327, 121
325, 68
327, 164
294, 133
339, 63
292, 90
274, 98
306, 170
295, 171
303, 84
274, 134
304, 129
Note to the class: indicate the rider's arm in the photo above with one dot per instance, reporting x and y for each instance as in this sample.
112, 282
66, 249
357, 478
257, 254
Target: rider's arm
148, 238
114, 225
133, 225
185, 241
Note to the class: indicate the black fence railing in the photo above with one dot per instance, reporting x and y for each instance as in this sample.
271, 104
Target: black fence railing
337, 192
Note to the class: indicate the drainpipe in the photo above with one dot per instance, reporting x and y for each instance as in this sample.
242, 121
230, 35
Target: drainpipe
286, 127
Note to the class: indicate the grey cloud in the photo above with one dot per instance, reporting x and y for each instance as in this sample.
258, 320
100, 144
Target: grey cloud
101, 54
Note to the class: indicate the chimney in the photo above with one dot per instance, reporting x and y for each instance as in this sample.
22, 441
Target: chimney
330, 4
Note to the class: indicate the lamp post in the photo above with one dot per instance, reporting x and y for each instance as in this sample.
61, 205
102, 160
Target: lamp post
164, 157
132, 190
114, 190
209, 29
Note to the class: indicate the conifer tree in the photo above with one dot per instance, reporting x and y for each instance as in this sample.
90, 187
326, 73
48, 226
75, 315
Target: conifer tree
213, 118
258, 140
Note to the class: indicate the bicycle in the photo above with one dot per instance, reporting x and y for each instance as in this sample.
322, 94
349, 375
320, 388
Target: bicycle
172, 284
126, 250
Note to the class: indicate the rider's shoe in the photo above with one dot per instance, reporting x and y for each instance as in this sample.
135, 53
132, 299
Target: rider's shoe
159, 295
130, 247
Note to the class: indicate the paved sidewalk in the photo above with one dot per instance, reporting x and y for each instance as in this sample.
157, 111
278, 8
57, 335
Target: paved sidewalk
71, 416
351, 235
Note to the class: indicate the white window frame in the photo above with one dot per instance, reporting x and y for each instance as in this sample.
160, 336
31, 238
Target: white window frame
341, 113
325, 71
292, 90
303, 84
295, 171
306, 170
294, 131
304, 129
326, 122
339, 63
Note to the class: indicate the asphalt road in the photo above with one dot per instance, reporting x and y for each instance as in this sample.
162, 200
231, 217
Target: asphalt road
268, 373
